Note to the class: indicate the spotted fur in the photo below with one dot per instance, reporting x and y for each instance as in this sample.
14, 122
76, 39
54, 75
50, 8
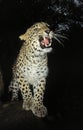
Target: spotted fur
31, 69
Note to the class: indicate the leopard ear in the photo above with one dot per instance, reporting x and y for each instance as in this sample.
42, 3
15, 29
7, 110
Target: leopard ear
23, 37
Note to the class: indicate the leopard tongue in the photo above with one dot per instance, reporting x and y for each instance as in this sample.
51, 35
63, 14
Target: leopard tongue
45, 41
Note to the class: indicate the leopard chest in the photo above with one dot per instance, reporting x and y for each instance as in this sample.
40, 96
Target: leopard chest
33, 72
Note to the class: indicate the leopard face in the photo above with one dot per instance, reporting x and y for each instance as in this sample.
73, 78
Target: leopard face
40, 36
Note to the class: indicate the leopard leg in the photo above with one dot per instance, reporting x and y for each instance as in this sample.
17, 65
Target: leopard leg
38, 108
13, 87
26, 93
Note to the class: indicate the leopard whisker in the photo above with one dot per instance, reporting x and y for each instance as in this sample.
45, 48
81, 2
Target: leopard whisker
55, 37
61, 36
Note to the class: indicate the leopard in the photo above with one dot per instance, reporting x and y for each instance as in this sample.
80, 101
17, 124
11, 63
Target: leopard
30, 69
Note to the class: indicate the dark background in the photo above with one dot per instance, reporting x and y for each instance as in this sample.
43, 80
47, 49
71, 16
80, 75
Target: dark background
64, 91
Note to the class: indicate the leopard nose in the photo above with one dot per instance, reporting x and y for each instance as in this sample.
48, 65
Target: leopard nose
47, 31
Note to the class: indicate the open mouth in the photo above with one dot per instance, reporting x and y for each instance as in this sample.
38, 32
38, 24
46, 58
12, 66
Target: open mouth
45, 42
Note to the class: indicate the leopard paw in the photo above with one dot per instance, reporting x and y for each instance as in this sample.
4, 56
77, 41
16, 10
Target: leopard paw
27, 105
39, 111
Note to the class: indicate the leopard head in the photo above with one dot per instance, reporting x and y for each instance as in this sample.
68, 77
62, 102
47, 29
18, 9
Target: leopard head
40, 36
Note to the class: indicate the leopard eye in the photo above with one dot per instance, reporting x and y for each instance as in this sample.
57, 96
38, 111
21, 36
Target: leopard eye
47, 31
